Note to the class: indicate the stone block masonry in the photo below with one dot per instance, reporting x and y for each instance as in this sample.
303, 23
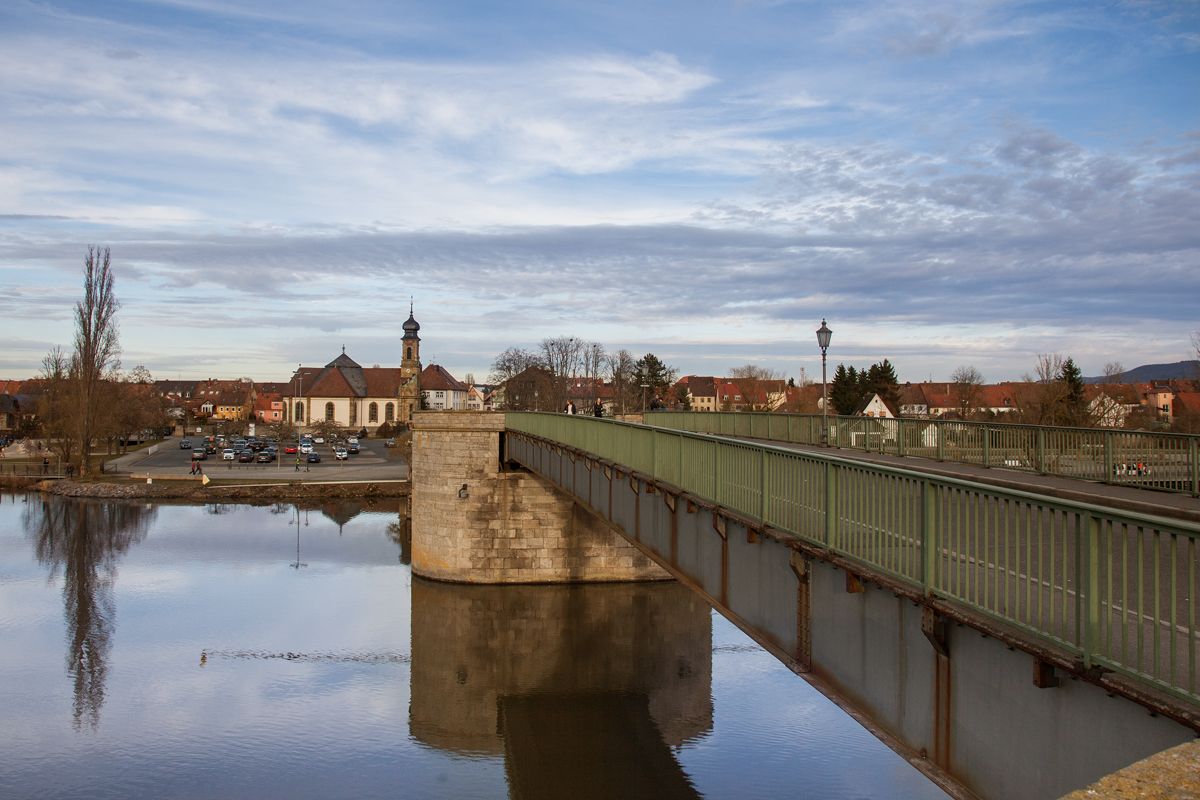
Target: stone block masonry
504, 527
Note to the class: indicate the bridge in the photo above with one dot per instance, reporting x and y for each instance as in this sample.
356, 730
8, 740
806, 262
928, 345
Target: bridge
979, 629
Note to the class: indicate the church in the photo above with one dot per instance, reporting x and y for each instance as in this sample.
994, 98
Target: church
353, 396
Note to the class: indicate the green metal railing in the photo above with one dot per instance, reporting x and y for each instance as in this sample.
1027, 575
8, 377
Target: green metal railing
1119, 590
1165, 461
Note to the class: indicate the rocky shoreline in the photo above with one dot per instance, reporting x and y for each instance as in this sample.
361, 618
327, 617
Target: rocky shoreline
293, 491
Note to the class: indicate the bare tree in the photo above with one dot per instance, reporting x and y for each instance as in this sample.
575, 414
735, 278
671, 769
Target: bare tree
1044, 400
761, 389
621, 369
592, 361
56, 405
1114, 372
512, 362
96, 346
968, 382
563, 356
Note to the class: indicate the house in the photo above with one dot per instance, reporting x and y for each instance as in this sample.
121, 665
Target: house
701, 392
531, 389
1109, 405
268, 406
875, 406
441, 391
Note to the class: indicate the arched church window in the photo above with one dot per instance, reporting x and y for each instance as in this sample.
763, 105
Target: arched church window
389, 413
329, 412
373, 412
408, 353
353, 413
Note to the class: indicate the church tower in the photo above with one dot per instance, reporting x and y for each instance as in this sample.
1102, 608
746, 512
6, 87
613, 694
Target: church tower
410, 369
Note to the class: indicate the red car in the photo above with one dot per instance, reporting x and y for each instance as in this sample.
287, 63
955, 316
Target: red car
290, 449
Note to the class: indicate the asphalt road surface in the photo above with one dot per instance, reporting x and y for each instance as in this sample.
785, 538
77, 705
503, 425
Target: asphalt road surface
168, 458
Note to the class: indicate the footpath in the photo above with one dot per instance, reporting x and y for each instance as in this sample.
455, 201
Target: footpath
1126, 498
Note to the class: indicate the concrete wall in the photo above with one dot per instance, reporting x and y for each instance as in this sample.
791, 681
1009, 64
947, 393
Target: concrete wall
511, 527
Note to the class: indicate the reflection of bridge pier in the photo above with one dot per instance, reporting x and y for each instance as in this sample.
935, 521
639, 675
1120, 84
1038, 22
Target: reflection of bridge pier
565, 681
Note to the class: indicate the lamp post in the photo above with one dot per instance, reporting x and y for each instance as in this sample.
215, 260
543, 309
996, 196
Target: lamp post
823, 336
645, 386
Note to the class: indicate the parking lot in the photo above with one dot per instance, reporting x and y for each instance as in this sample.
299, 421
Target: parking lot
171, 458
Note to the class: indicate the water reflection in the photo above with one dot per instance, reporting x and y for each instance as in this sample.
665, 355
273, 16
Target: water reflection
584, 688
83, 539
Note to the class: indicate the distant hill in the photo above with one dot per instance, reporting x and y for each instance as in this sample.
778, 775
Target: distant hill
1153, 372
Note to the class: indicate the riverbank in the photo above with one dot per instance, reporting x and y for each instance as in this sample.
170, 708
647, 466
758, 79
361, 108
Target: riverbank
215, 490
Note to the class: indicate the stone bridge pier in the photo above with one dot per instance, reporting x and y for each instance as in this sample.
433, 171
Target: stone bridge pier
473, 521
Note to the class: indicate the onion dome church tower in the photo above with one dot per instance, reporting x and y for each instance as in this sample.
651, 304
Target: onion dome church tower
410, 369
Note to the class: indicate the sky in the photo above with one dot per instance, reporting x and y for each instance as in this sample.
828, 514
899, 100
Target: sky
957, 183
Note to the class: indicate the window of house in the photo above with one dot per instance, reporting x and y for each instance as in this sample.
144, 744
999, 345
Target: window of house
329, 412
389, 413
373, 412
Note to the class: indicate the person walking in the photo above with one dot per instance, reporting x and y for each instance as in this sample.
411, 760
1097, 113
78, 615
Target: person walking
297, 463
598, 409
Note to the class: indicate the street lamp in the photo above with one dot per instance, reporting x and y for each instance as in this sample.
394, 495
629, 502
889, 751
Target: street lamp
823, 335
645, 386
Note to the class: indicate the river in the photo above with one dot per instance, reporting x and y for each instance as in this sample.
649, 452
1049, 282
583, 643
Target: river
277, 651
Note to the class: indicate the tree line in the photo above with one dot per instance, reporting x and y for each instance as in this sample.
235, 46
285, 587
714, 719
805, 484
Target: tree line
542, 379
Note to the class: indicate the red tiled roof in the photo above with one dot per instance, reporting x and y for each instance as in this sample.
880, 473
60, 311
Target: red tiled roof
436, 378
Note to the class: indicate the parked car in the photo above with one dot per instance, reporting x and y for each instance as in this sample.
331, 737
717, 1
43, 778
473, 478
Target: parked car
210, 448
290, 449
352, 440
228, 454
199, 455
265, 456
186, 444
340, 453
314, 457
352, 448
306, 448
318, 440
390, 443
246, 457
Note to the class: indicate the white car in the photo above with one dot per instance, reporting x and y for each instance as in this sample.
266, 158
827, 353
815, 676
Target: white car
306, 448
352, 440
340, 454
319, 439
228, 455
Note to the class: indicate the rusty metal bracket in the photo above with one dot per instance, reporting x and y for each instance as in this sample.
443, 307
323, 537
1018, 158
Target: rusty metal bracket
651, 488
854, 584
692, 508
672, 500
1043, 674
801, 566
719, 525
608, 473
752, 536
933, 625
635, 485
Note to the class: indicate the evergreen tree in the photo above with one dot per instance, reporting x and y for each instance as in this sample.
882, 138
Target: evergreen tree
652, 372
1074, 402
881, 379
844, 390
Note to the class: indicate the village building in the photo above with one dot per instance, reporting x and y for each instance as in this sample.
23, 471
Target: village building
441, 391
349, 395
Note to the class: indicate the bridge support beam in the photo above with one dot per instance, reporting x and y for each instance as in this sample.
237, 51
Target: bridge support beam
475, 522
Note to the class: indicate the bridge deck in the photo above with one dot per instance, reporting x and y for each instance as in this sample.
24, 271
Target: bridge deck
1127, 498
